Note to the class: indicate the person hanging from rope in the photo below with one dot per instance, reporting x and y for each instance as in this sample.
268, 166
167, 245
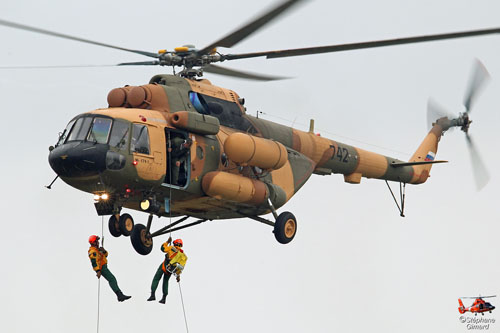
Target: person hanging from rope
98, 259
174, 263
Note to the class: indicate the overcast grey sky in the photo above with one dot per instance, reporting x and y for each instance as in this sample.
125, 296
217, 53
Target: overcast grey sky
354, 265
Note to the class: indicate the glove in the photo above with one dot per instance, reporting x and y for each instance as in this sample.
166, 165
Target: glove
169, 240
98, 274
178, 278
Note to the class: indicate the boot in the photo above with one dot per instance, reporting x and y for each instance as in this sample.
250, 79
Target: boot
163, 299
152, 297
122, 297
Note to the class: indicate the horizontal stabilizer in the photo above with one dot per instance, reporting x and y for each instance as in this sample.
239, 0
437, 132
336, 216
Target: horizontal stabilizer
402, 164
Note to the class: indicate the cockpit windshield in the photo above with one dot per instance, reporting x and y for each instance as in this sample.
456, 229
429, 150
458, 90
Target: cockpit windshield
98, 130
64, 134
80, 130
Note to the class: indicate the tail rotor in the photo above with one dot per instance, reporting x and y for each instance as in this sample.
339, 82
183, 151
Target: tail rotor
437, 114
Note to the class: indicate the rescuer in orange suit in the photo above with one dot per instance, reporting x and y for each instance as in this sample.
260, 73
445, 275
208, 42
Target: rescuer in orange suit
98, 259
171, 251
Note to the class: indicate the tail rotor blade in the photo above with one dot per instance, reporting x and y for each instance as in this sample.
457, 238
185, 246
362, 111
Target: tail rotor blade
434, 112
478, 79
481, 174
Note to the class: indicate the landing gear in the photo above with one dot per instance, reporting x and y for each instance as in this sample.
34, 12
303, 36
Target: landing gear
141, 239
285, 228
126, 224
114, 228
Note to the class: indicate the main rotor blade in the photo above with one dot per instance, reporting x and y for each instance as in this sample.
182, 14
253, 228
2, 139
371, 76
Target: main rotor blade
53, 66
140, 63
78, 39
478, 78
363, 45
245, 31
240, 74
481, 174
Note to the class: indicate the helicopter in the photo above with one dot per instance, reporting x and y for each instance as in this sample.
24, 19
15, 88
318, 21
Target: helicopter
479, 305
180, 146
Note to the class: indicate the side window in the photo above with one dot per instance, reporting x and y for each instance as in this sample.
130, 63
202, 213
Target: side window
140, 139
80, 130
100, 130
119, 134
228, 113
198, 105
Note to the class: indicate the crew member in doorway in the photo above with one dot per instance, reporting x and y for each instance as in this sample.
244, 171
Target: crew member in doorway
179, 154
98, 259
174, 263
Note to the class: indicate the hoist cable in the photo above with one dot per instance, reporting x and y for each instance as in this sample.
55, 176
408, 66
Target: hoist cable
169, 164
170, 180
183, 309
99, 280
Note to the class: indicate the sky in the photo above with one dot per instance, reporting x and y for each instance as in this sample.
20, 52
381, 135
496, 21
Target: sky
354, 265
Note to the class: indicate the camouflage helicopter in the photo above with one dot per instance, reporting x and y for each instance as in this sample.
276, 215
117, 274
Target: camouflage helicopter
182, 147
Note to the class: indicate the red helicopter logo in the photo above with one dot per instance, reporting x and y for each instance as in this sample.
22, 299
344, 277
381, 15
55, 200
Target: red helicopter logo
479, 305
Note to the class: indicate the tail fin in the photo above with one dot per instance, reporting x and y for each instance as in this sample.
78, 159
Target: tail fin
426, 152
462, 308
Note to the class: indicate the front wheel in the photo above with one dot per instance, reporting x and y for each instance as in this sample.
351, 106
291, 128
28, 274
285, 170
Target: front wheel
114, 227
141, 239
126, 224
285, 227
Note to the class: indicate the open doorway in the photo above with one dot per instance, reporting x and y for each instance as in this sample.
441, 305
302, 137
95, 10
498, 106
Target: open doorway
178, 157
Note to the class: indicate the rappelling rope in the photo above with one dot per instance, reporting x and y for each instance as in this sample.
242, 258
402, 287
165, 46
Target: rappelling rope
183, 309
170, 179
99, 280
170, 219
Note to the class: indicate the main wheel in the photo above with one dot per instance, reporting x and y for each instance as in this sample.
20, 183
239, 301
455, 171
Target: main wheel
285, 227
126, 224
141, 239
114, 227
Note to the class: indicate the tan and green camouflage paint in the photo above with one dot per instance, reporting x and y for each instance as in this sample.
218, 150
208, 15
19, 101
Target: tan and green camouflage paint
307, 154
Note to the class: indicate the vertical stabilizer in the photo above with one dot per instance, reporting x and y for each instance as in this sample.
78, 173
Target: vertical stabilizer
426, 152
462, 308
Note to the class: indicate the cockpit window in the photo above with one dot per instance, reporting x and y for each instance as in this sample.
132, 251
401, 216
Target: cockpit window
119, 134
80, 130
100, 130
140, 139
64, 134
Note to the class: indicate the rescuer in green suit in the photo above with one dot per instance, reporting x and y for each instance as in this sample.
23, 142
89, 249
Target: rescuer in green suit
98, 259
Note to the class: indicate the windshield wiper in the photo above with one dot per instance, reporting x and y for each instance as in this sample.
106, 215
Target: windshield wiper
122, 142
93, 135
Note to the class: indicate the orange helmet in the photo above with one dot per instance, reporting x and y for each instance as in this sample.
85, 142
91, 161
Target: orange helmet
178, 242
93, 239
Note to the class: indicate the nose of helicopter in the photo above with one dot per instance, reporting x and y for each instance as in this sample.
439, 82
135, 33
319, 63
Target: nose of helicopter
78, 159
